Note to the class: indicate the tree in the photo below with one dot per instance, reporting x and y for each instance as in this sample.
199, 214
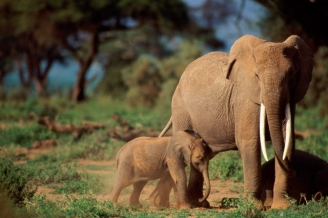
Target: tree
101, 20
41, 30
302, 17
26, 38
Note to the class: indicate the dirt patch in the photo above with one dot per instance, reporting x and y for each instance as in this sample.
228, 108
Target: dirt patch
48, 192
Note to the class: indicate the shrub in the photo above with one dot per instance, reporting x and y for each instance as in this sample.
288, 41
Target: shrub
55, 172
14, 182
24, 136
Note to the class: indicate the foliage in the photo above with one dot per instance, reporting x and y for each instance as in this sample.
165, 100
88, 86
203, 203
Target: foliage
317, 93
174, 66
14, 182
143, 79
227, 166
294, 20
54, 171
60, 169
27, 110
82, 187
24, 136
38, 33
247, 208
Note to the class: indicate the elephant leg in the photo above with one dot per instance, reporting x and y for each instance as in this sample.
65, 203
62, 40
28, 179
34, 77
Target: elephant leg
248, 143
137, 188
160, 195
195, 188
267, 196
116, 191
280, 188
175, 190
251, 158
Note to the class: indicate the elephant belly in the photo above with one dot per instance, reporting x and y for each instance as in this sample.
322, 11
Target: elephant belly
146, 171
209, 112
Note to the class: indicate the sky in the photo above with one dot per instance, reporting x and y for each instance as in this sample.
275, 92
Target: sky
251, 14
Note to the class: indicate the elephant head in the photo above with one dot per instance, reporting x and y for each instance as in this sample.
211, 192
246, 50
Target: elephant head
275, 76
195, 151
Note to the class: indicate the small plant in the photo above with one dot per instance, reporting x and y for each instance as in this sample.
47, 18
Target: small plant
14, 182
229, 203
247, 207
82, 187
56, 172
24, 136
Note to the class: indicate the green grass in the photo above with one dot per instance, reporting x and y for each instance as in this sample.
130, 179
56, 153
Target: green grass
227, 166
60, 170
25, 135
96, 167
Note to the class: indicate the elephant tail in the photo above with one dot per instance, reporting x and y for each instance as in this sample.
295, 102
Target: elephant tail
168, 125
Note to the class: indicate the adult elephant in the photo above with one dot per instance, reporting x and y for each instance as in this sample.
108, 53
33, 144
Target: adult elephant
221, 96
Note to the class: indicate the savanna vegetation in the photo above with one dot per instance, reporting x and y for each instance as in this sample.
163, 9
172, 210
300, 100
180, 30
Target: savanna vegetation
61, 168
144, 47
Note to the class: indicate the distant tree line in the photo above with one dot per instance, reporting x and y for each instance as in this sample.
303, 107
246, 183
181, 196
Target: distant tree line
143, 45
36, 34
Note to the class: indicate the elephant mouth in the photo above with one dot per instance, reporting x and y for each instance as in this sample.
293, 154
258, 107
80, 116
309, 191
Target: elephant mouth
288, 131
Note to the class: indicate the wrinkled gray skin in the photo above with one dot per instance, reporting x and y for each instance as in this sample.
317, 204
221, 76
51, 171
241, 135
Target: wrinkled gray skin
311, 178
219, 96
145, 158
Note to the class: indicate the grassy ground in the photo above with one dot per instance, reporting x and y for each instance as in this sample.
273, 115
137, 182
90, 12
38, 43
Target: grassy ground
70, 170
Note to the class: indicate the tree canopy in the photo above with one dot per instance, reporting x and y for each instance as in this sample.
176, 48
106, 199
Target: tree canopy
305, 18
38, 32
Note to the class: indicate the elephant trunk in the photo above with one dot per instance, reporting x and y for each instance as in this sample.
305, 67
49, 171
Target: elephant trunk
207, 183
275, 109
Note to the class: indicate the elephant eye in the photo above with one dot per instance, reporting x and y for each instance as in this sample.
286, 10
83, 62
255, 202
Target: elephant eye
200, 158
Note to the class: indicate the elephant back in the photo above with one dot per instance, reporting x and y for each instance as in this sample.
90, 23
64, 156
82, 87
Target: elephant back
208, 66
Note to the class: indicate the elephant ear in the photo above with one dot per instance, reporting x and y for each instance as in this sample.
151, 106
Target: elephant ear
241, 66
183, 143
305, 62
185, 152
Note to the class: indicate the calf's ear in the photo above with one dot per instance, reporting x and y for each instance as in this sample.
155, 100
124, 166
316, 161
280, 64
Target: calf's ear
182, 145
185, 153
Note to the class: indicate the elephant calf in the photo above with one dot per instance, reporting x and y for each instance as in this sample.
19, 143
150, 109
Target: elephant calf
146, 158
311, 178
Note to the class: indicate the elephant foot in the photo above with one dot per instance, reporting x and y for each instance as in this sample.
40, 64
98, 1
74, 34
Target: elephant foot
268, 202
136, 204
159, 201
184, 206
204, 204
280, 204
258, 204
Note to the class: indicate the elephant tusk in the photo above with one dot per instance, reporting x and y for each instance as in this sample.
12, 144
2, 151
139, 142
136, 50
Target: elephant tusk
288, 130
262, 131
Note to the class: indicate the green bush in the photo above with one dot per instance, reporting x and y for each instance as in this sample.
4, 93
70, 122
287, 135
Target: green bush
14, 182
226, 166
247, 208
55, 172
82, 187
31, 109
24, 135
